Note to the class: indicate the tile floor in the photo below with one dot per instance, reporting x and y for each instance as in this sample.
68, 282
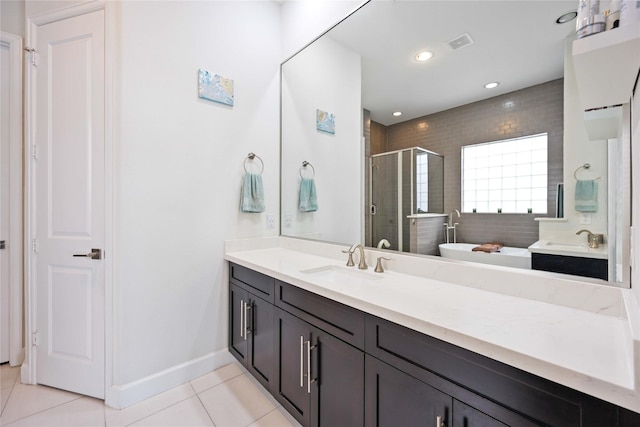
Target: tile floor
225, 397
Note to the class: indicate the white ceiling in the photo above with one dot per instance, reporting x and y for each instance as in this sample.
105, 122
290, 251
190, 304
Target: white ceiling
516, 42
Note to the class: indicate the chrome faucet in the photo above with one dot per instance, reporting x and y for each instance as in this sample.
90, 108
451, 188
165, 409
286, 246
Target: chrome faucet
451, 225
362, 265
594, 240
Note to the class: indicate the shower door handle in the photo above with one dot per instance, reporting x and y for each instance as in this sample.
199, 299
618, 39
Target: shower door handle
373, 209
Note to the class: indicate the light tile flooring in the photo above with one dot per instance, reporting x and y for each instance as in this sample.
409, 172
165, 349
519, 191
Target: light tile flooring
225, 397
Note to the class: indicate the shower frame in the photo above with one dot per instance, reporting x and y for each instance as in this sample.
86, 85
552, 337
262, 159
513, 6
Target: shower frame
401, 213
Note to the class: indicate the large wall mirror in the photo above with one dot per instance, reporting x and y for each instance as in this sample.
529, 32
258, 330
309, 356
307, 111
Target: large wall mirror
378, 146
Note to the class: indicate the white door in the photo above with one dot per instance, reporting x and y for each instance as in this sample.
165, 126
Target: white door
5, 73
68, 203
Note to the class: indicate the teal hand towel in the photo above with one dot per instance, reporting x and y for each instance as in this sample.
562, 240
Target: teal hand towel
252, 199
587, 196
308, 196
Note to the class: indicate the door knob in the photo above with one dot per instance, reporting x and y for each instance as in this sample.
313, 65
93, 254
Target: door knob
2, 244
94, 254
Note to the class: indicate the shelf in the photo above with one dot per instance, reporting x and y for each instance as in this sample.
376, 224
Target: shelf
606, 66
603, 124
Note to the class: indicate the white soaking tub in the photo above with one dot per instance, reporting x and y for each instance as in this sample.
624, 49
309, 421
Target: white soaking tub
508, 256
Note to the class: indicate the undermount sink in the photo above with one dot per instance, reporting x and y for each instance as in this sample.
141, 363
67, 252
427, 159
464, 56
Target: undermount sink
338, 274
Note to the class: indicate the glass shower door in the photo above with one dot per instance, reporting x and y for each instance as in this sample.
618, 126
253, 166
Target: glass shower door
384, 199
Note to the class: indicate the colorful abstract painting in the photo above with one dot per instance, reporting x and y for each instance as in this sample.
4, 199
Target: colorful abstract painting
215, 88
325, 122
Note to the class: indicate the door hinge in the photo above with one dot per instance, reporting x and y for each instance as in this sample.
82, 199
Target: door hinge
35, 246
34, 338
34, 55
34, 152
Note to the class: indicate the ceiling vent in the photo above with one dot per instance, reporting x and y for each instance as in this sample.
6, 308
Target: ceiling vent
460, 41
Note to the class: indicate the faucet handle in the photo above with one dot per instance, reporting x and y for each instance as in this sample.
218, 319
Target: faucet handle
350, 262
379, 268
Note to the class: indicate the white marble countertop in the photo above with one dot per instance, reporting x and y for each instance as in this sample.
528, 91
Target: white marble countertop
569, 249
573, 332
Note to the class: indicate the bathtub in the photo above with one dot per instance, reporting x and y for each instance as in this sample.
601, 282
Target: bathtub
507, 257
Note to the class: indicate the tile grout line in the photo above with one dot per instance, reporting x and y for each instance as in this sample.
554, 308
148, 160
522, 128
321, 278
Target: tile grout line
13, 383
44, 410
205, 409
209, 388
265, 415
164, 408
222, 382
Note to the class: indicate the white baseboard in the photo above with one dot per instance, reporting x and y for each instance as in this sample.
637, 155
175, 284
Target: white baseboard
123, 395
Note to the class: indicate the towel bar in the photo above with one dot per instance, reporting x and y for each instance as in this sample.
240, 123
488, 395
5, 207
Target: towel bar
252, 156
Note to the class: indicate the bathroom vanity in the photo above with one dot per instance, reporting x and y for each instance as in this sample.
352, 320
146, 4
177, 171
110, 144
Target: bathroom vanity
576, 259
339, 346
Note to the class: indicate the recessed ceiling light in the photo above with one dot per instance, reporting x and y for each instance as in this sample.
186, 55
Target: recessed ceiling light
423, 56
567, 17
397, 113
491, 85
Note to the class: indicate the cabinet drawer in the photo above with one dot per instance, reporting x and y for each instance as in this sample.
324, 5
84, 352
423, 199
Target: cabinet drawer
458, 372
252, 281
587, 267
341, 321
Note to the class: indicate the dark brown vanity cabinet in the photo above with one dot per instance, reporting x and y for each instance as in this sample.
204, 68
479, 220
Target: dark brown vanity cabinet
294, 344
320, 379
481, 391
330, 364
251, 322
394, 398
320, 358
577, 266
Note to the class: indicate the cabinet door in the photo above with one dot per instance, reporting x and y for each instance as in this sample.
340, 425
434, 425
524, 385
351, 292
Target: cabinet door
291, 365
238, 344
261, 339
466, 416
394, 398
338, 391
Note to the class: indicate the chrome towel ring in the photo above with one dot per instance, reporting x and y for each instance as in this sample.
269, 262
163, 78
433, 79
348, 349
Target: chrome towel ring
585, 166
252, 156
304, 165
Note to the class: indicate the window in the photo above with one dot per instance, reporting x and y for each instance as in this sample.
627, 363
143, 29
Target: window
422, 182
508, 176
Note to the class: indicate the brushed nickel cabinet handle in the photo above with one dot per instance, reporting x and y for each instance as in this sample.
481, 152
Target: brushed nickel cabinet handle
309, 380
301, 361
247, 328
241, 318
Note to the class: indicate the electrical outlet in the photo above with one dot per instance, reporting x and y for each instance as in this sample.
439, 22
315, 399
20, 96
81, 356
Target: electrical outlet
585, 218
288, 220
271, 220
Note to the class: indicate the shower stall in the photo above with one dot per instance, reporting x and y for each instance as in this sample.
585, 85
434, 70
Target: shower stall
402, 183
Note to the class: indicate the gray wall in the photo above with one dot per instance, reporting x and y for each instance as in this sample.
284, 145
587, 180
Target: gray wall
427, 234
528, 111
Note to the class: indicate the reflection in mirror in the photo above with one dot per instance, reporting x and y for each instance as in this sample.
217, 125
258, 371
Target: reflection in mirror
363, 70
404, 185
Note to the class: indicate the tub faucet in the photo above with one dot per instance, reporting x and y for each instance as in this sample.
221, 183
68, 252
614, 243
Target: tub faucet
384, 244
362, 265
451, 225
594, 240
